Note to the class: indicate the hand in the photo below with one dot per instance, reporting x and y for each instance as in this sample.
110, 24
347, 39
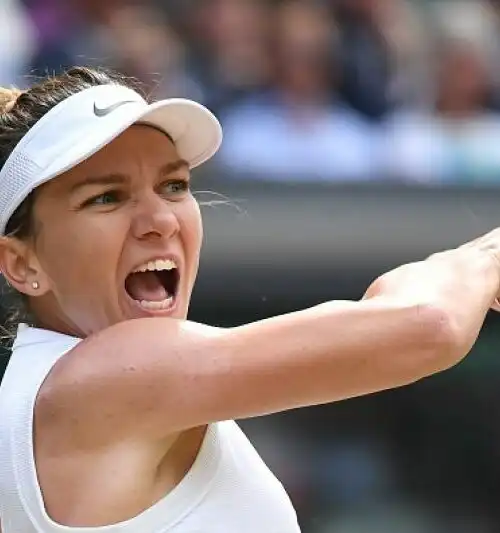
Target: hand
489, 244
454, 271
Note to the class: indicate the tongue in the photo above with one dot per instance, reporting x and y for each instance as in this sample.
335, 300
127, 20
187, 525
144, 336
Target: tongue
145, 286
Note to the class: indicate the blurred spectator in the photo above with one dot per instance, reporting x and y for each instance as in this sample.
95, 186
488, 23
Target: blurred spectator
230, 47
142, 44
454, 137
133, 37
494, 49
17, 41
364, 57
55, 23
294, 131
378, 41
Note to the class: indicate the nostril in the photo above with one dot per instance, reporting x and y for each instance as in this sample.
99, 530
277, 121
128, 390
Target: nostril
153, 225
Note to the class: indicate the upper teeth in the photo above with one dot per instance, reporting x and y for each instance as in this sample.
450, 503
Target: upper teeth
158, 264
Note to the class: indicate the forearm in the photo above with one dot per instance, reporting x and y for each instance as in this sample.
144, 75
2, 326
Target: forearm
338, 350
416, 321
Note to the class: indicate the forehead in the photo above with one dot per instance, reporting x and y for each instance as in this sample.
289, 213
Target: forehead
139, 145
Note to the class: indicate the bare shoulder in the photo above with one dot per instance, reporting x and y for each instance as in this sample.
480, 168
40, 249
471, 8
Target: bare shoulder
100, 390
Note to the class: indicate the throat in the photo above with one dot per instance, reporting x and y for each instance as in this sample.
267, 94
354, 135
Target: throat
146, 286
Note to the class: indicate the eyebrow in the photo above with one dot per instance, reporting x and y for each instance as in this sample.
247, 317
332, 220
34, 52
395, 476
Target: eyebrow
171, 167
118, 179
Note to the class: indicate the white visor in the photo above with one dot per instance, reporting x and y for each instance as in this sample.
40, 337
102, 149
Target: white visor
82, 124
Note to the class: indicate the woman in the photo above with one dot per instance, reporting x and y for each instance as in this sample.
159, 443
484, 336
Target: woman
117, 411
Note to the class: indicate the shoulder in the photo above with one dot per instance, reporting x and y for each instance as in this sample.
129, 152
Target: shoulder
100, 390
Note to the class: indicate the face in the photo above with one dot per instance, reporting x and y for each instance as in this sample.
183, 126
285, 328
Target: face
302, 52
118, 237
463, 76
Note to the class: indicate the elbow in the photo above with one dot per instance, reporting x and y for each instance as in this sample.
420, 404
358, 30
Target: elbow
438, 342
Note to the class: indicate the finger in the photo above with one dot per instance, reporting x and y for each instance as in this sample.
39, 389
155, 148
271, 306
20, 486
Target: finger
496, 305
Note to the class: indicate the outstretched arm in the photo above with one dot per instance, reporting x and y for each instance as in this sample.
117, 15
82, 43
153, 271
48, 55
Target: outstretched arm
159, 376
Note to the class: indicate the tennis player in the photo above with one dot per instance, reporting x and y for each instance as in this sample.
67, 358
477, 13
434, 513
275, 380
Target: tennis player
116, 412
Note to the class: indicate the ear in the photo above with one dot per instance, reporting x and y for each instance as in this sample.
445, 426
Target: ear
21, 268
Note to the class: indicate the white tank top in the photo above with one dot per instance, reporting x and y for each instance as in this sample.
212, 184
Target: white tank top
228, 489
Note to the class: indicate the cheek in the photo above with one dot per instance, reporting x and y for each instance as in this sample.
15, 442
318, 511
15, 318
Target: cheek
192, 229
79, 259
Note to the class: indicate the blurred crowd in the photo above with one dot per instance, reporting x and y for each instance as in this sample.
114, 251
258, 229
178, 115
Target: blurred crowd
334, 90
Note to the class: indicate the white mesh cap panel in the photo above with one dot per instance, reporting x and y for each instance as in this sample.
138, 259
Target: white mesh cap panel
15, 185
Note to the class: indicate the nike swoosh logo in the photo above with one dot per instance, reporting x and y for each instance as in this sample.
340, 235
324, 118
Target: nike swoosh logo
102, 112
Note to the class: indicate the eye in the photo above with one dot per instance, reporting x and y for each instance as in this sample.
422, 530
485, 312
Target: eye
106, 198
175, 187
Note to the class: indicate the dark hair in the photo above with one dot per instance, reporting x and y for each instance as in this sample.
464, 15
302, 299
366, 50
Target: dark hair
19, 112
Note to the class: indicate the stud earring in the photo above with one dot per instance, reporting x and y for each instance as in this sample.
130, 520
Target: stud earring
35, 285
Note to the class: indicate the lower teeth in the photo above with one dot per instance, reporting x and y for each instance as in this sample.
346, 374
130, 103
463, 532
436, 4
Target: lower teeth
156, 306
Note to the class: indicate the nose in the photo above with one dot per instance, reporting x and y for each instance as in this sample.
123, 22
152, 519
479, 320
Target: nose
153, 218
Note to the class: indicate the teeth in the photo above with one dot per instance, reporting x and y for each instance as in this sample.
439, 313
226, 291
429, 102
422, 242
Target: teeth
157, 306
158, 264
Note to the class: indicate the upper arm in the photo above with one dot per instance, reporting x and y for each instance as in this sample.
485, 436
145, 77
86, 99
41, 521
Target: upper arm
154, 377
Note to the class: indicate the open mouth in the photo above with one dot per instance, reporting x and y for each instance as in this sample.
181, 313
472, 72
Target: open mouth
154, 285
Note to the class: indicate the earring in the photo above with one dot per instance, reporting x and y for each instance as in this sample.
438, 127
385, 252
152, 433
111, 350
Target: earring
35, 285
